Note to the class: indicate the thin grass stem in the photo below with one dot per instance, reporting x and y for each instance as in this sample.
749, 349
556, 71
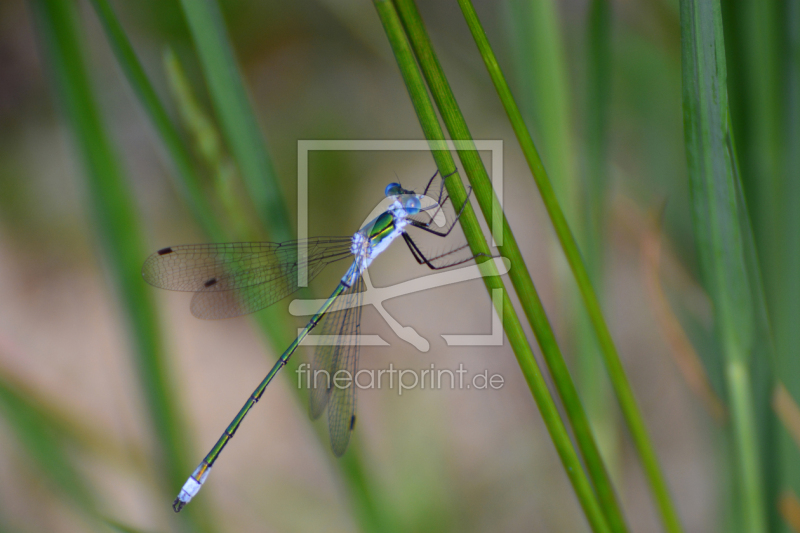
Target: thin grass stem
187, 183
519, 274
725, 246
513, 328
236, 116
119, 237
619, 381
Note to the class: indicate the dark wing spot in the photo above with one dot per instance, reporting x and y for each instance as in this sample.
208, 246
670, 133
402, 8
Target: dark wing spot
352, 422
210, 282
165, 251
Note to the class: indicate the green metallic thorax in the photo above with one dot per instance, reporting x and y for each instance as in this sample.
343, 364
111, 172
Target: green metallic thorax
383, 226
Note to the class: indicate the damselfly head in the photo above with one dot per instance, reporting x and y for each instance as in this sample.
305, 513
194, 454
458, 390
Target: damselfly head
409, 201
393, 189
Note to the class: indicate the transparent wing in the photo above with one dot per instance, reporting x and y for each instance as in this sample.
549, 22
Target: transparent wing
234, 279
426, 217
344, 321
220, 267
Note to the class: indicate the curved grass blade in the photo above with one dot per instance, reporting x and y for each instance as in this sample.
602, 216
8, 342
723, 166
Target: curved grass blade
519, 274
116, 525
46, 444
593, 203
119, 240
469, 223
235, 114
237, 212
622, 388
727, 253
186, 182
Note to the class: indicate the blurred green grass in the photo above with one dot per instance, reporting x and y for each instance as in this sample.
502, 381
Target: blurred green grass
323, 70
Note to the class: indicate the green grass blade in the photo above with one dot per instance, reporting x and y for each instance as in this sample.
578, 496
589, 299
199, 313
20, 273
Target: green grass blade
44, 443
115, 219
619, 380
365, 495
187, 183
541, 66
763, 366
433, 132
115, 525
756, 94
592, 204
760, 50
721, 239
241, 132
187, 180
520, 277
119, 237
236, 116
787, 304
543, 72
537, 41
209, 146
598, 87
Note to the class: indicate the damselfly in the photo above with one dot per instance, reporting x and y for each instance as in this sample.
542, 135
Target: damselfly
238, 278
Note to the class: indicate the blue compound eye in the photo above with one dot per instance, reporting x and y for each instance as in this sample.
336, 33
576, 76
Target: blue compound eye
412, 205
393, 189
